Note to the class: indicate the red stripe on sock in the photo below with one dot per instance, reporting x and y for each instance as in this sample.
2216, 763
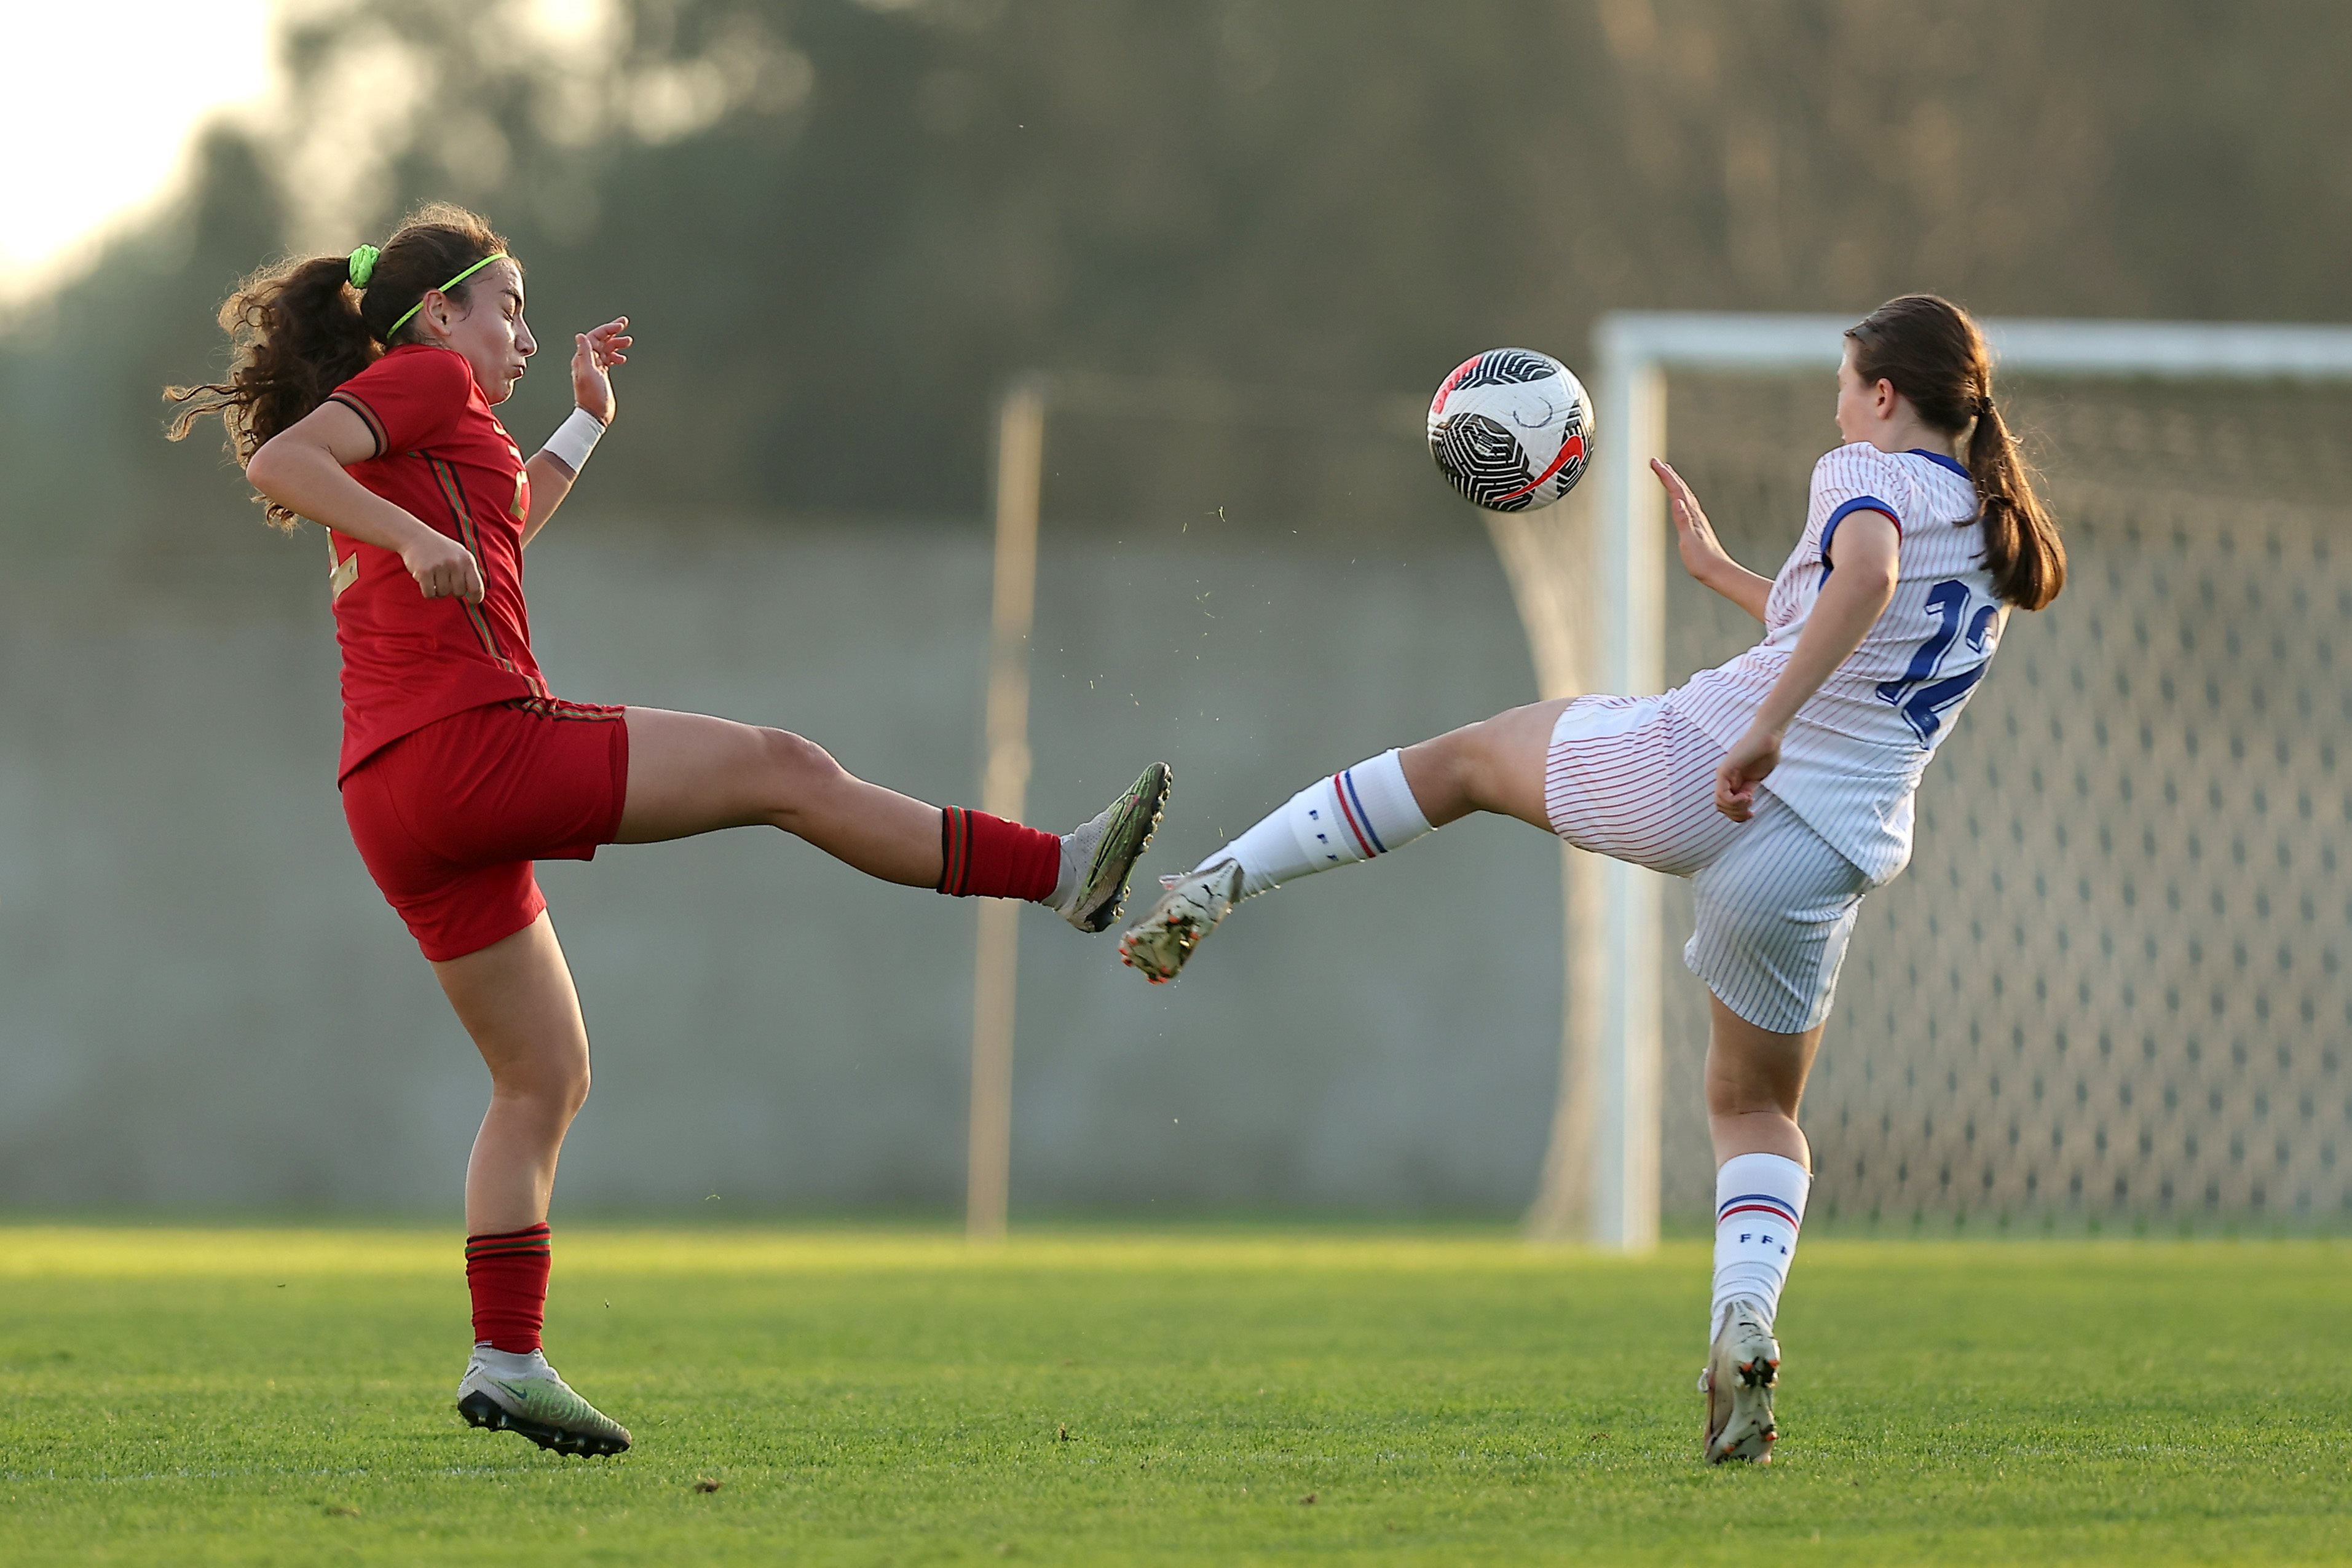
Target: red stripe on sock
507, 1273
1363, 840
992, 858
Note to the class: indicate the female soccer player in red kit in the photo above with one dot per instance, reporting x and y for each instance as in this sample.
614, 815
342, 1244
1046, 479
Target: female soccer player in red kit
360, 396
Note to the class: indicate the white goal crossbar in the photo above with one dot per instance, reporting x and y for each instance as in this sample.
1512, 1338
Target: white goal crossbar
1627, 643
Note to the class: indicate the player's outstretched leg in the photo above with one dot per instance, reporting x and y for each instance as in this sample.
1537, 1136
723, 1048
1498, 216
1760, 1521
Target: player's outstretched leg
1357, 814
691, 774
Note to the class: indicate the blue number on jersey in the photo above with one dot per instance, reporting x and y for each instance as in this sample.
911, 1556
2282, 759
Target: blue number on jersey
1924, 707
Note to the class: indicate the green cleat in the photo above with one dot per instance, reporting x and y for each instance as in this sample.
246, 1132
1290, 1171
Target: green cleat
508, 1393
1097, 858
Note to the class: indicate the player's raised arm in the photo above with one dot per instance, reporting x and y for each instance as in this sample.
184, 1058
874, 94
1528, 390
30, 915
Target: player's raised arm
1704, 556
1865, 556
305, 468
558, 464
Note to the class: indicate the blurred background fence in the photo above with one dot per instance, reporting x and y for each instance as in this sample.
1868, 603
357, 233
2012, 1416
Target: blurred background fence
2110, 986
208, 1004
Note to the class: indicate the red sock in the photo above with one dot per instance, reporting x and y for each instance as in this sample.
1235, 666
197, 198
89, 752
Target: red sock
508, 1274
987, 857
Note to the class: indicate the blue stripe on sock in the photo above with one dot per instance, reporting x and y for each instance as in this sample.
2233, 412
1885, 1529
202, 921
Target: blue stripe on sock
1347, 783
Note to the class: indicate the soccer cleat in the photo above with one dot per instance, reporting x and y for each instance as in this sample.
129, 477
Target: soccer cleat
534, 1402
1741, 1373
1097, 858
1161, 942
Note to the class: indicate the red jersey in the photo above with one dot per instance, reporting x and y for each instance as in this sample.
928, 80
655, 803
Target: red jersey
444, 456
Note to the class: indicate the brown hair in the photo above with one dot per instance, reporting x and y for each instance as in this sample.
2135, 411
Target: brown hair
1932, 352
298, 329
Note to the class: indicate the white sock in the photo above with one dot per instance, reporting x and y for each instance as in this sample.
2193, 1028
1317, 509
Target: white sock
508, 1364
1759, 1202
1355, 815
1075, 855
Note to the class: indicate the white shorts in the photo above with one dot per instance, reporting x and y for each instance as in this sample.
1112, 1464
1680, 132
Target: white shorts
1633, 778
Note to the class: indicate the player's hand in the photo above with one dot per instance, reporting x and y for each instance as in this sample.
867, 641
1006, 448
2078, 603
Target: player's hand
1702, 552
443, 568
594, 355
1747, 765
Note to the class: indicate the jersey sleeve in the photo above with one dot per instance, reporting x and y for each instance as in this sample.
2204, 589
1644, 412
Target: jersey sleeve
1856, 478
409, 400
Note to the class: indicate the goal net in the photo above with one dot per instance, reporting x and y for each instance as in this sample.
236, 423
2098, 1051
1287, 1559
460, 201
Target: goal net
2111, 988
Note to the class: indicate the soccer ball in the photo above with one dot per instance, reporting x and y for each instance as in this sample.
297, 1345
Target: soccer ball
1511, 429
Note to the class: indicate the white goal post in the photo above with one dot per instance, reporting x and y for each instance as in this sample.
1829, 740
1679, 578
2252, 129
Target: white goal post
1588, 578
1626, 603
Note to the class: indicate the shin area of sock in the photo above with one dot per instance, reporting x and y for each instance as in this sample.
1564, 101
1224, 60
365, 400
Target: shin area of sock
1357, 814
507, 1273
1269, 852
982, 856
1760, 1205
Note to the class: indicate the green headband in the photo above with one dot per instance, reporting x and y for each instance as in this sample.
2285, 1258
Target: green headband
392, 330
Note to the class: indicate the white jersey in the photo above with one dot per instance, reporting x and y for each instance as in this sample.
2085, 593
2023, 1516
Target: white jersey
1853, 756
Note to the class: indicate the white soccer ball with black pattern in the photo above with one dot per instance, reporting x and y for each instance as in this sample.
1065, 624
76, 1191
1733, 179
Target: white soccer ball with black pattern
1511, 429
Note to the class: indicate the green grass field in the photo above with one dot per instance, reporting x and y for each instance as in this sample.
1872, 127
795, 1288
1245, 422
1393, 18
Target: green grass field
254, 1395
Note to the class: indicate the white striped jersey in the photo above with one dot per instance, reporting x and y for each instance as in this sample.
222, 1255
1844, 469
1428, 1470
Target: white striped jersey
1853, 755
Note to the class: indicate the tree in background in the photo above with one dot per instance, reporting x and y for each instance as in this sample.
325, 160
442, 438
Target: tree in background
840, 224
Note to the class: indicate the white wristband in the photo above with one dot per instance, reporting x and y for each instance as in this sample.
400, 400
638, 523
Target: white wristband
575, 439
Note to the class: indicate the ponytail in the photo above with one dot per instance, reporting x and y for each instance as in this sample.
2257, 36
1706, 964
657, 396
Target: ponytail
2022, 548
298, 330
1930, 350
296, 335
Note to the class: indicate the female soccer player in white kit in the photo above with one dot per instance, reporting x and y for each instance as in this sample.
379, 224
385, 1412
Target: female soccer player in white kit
1781, 783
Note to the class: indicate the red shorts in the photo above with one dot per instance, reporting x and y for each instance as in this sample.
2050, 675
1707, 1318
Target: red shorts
449, 817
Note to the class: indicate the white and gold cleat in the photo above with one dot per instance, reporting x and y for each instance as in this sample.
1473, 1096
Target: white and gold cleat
1159, 943
1741, 1373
